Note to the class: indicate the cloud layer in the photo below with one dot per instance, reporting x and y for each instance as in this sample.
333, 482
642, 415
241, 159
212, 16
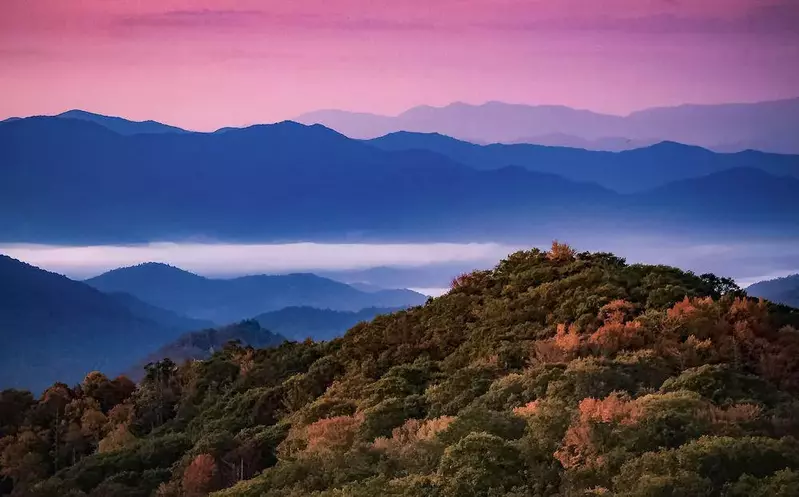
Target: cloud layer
229, 260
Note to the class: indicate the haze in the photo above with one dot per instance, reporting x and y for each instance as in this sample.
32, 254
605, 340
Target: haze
429, 267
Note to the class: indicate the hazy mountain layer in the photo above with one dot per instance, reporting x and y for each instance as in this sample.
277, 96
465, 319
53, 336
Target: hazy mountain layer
229, 300
768, 126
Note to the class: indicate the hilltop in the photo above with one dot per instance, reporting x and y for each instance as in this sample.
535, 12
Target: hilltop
555, 373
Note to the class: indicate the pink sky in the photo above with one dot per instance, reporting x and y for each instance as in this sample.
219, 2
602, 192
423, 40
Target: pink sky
207, 64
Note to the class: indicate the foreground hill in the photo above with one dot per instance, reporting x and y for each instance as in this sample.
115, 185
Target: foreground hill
554, 374
629, 171
783, 290
52, 328
299, 323
768, 126
229, 300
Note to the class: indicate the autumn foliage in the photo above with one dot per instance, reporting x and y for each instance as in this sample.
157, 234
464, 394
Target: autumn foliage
555, 374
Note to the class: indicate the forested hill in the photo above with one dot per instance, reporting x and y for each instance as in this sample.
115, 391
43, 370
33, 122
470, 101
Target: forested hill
554, 374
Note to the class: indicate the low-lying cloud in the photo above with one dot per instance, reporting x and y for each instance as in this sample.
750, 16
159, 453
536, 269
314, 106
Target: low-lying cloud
428, 266
238, 259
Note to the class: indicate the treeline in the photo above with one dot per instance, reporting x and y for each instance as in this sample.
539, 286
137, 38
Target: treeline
555, 374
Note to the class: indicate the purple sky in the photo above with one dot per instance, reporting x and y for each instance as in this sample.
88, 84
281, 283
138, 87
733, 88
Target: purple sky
207, 64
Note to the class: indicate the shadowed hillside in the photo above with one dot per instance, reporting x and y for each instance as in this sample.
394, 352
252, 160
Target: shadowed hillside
553, 374
56, 328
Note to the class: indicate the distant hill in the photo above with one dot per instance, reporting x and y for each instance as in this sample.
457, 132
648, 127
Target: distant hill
768, 126
53, 328
288, 181
782, 290
229, 300
198, 345
120, 125
626, 171
299, 323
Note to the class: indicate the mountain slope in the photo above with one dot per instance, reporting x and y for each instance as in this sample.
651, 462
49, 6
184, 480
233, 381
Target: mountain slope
783, 290
120, 125
299, 323
555, 373
627, 171
768, 126
54, 328
229, 300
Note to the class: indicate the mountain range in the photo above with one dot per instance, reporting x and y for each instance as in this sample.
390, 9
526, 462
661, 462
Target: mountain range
783, 290
769, 126
73, 181
231, 300
55, 328
627, 171
52, 327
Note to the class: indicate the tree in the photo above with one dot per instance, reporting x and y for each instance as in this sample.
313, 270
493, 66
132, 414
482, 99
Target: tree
481, 465
200, 476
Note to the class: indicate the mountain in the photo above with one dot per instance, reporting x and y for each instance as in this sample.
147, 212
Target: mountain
299, 323
287, 181
783, 290
627, 171
229, 300
120, 125
272, 182
714, 196
554, 373
199, 345
768, 126
56, 328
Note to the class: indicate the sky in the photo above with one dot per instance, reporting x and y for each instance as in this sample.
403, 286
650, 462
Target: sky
204, 64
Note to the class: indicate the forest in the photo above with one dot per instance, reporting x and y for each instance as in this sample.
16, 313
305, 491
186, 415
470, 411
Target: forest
556, 373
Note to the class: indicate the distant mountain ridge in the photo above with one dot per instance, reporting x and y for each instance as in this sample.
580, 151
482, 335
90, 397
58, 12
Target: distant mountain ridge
52, 328
230, 300
289, 182
626, 171
121, 125
781, 290
769, 126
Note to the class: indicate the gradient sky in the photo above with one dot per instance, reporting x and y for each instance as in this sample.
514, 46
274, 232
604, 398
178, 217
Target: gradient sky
204, 64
